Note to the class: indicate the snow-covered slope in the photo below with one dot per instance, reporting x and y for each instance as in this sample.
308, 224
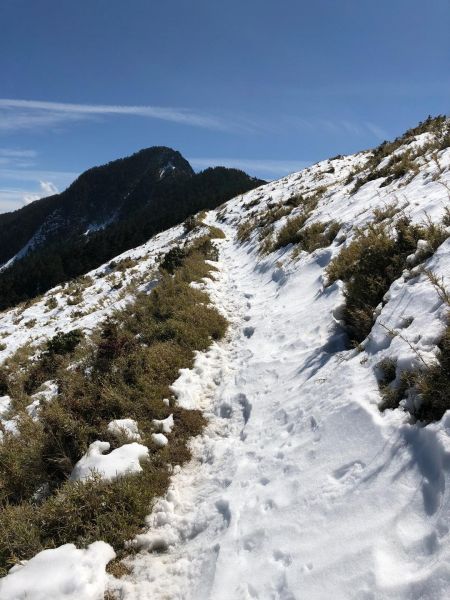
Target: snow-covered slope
84, 303
300, 488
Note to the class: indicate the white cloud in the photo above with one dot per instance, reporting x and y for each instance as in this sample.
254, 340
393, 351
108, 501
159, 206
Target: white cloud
262, 167
17, 158
17, 153
47, 189
377, 131
28, 114
20, 187
29, 198
10, 199
338, 127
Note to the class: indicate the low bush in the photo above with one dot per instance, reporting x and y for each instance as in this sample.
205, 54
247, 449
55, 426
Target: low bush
173, 259
387, 212
22, 469
433, 384
192, 223
216, 232
125, 264
446, 219
290, 232
317, 235
74, 300
245, 229
391, 393
64, 343
371, 262
430, 384
51, 303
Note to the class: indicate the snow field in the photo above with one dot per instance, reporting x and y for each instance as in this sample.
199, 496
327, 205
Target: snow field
299, 488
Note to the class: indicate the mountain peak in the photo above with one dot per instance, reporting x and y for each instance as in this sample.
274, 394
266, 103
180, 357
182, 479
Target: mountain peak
108, 209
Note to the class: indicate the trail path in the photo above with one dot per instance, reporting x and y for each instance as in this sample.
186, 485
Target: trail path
296, 490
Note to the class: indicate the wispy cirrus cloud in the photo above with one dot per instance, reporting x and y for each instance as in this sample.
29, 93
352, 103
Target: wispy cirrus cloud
263, 167
60, 178
17, 158
333, 126
19, 114
30, 114
14, 153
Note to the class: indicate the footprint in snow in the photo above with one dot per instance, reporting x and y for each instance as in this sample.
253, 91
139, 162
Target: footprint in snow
268, 505
249, 331
246, 407
314, 424
282, 557
349, 471
223, 508
225, 410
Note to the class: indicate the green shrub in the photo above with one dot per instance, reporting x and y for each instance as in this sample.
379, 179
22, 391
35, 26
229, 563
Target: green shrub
20, 535
74, 300
401, 164
22, 468
51, 303
387, 212
433, 384
393, 394
317, 235
173, 259
216, 232
52, 359
64, 343
191, 223
66, 438
446, 219
373, 260
245, 229
290, 232
125, 264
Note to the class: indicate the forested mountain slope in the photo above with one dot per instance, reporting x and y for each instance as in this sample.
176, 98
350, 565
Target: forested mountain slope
107, 210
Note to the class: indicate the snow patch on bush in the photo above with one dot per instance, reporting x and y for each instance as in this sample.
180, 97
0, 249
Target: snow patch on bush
64, 573
126, 427
122, 461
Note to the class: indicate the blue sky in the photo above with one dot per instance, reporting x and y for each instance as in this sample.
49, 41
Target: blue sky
261, 85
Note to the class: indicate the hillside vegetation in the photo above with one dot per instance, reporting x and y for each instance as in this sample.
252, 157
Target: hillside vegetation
124, 370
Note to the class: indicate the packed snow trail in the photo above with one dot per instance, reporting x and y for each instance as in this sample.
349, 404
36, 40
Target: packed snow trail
300, 488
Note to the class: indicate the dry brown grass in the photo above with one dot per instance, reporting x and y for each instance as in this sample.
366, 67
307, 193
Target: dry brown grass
125, 370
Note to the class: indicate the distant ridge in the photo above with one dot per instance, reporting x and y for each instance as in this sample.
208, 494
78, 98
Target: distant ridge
107, 210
